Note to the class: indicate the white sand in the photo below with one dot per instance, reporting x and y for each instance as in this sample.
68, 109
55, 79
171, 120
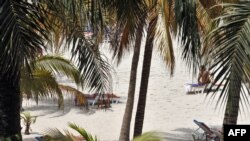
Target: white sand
168, 110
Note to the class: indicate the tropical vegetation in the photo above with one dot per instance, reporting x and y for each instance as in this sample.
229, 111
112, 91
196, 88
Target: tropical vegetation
210, 34
55, 134
27, 119
25, 31
191, 23
43, 80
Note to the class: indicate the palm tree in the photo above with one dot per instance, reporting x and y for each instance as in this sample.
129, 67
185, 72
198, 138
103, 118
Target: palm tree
21, 40
230, 58
145, 76
194, 26
130, 24
24, 32
228, 54
125, 129
191, 42
127, 31
28, 119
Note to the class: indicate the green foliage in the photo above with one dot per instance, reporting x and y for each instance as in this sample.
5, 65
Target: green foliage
83, 133
42, 83
187, 23
21, 38
27, 119
57, 135
230, 52
58, 65
149, 136
74, 17
16, 137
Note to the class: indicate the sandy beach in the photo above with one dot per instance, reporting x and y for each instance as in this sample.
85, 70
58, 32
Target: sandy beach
169, 109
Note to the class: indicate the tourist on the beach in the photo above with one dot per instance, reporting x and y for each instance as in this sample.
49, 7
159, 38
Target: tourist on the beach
204, 76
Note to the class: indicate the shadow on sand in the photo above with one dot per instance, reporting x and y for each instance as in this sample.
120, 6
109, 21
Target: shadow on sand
49, 107
182, 134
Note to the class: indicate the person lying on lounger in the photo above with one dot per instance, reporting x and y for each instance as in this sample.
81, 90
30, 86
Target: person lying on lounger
204, 76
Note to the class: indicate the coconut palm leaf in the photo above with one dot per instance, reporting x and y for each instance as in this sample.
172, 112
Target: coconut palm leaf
129, 15
95, 71
82, 132
230, 52
76, 17
163, 34
186, 19
41, 84
21, 38
58, 65
57, 135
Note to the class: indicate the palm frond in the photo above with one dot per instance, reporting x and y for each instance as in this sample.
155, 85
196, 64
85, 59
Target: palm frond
206, 25
57, 135
212, 7
129, 15
231, 51
79, 16
163, 35
95, 71
22, 33
189, 38
83, 133
167, 10
58, 65
40, 84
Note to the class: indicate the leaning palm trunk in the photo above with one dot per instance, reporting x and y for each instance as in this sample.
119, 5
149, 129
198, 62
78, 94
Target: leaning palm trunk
9, 109
125, 130
144, 78
232, 106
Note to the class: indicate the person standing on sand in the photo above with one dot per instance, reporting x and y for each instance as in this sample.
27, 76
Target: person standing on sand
204, 76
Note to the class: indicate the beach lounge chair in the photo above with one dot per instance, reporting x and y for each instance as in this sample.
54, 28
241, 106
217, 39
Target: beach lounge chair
194, 88
201, 88
207, 134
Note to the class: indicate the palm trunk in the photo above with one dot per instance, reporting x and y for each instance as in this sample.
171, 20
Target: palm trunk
10, 109
125, 129
27, 130
232, 107
144, 78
